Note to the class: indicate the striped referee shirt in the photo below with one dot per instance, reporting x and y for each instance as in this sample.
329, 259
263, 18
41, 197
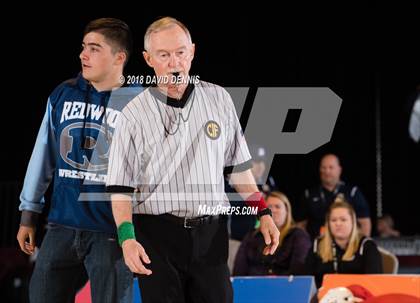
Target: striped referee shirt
175, 152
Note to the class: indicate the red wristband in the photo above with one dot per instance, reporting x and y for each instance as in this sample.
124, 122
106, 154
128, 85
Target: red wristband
256, 200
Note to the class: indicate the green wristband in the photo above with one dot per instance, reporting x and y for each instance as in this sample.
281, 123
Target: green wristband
125, 232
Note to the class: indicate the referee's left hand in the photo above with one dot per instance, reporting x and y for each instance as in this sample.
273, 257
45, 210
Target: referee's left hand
270, 233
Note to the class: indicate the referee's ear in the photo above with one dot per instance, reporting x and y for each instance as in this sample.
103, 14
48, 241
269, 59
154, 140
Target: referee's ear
148, 58
192, 51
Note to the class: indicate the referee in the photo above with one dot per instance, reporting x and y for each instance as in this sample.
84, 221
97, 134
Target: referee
172, 146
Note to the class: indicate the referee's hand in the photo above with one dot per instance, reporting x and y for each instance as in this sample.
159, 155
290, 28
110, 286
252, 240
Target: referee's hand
135, 256
270, 233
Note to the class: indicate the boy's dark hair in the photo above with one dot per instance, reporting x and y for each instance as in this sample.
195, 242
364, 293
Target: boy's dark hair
116, 32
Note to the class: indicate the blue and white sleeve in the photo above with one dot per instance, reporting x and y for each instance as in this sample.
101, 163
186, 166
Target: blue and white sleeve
41, 166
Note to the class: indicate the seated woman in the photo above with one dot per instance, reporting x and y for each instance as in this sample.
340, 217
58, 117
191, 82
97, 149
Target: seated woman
294, 244
342, 249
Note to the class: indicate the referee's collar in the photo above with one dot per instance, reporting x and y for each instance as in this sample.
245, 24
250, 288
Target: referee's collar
172, 101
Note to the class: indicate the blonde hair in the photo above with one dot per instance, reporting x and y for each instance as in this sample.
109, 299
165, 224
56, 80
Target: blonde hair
289, 223
161, 24
325, 249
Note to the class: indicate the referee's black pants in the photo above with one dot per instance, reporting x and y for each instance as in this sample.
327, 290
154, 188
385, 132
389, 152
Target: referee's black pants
188, 264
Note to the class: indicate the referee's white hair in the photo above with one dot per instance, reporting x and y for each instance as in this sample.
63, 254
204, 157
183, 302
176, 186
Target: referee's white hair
161, 24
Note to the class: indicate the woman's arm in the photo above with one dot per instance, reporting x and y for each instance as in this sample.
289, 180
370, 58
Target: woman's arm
372, 259
241, 266
300, 250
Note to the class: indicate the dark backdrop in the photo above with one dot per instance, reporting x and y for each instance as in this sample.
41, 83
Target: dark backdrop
365, 54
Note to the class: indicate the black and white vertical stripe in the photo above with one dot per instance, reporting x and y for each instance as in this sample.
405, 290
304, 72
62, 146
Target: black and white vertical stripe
164, 152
